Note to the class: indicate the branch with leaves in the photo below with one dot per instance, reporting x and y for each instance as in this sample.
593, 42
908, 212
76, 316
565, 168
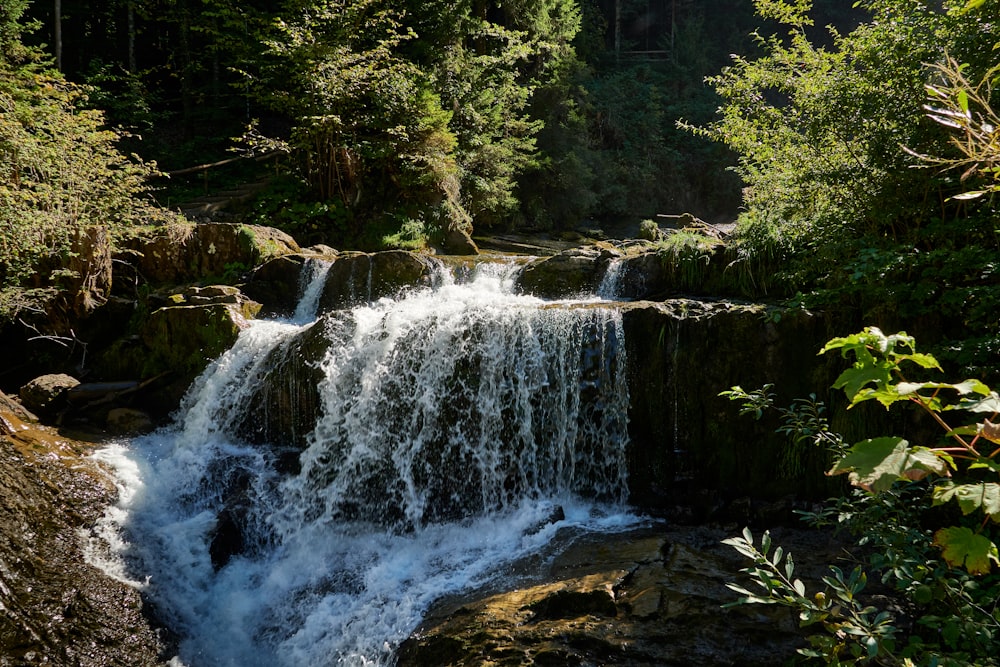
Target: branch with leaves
966, 109
876, 464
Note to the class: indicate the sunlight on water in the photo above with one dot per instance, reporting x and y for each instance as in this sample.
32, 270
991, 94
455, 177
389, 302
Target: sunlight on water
453, 423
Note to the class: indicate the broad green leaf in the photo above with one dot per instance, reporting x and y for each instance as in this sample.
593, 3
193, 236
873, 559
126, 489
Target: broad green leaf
962, 388
875, 464
854, 379
971, 497
963, 548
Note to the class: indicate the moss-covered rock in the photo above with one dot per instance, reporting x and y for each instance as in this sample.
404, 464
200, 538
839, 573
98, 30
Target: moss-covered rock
185, 253
570, 273
184, 337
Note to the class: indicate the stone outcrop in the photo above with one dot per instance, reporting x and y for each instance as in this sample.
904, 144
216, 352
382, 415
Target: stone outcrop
56, 608
648, 598
176, 341
275, 285
689, 446
567, 274
184, 253
645, 271
359, 278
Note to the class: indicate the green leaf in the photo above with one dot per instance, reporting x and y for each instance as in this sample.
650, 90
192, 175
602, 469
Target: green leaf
963, 548
855, 379
971, 497
875, 464
963, 101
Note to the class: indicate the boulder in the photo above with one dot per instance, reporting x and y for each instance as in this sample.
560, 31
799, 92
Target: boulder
276, 285
570, 273
359, 278
185, 253
458, 241
199, 325
46, 394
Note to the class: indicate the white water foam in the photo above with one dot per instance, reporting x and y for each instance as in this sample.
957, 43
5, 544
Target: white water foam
453, 423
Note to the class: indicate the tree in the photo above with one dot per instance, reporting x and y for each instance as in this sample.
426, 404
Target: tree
62, 169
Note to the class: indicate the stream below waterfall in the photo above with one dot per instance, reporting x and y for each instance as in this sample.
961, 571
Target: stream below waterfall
460, 427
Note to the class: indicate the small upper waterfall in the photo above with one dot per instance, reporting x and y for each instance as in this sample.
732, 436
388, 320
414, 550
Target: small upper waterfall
457, 429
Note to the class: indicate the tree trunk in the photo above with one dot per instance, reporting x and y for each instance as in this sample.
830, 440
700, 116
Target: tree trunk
57, 33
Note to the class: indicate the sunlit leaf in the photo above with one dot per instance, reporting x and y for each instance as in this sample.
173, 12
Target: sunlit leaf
875, 464
984, 496
963, 548
972, 194
853, 380
989, 404
990, 431
963, 101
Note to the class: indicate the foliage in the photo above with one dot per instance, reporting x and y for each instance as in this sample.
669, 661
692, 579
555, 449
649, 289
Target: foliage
63, 171
874, 465
849, 625
904, 496
830, 126
966, 109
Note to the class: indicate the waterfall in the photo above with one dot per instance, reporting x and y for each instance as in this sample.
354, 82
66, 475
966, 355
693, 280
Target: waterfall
610, 287
459, 428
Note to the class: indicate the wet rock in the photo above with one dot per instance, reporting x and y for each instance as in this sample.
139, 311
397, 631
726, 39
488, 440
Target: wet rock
276, 284
687, 443
649, 597
285, 403
9, 404
359, 278
57, 608
128, 421
46, 394
570, 273
191, 253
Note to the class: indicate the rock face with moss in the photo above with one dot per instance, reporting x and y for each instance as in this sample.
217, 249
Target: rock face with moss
686, 446
184, 253
687, 265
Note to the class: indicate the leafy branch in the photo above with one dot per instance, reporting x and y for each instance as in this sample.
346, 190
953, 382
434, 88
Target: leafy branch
876, 464
850, 626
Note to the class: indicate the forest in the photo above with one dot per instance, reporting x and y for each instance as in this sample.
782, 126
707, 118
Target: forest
855, 148
382, 124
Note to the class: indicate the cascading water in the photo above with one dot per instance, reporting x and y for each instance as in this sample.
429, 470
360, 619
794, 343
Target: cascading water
452, 425
610, 286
